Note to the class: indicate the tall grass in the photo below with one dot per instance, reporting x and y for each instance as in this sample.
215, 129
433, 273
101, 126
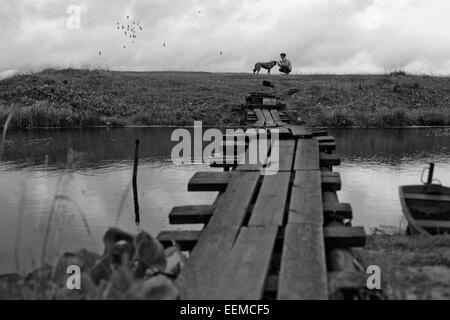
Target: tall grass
61, 197
45, 114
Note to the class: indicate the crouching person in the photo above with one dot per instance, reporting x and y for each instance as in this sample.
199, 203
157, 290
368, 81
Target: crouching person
285, 65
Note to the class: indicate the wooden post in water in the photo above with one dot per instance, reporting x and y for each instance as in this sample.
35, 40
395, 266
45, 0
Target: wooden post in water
430, 174
135, 191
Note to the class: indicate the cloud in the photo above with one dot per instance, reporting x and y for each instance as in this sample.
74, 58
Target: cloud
340, 36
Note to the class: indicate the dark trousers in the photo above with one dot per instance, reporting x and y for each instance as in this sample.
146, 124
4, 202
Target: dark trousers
285, 70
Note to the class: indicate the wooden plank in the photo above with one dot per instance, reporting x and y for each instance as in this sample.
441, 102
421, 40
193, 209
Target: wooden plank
270, 122
218, 181
343, 210
202, 214
209, 181
327, 147
270, 206
332, 207
245, 165
276, 117
203, 271
187, 240
307, 155
344, 237
285, 156
303, 274
248, 265
306, 198
283, 133
325, 139
331, 181
427, 197
191, 214
328, 160
319, 133
261, 119
300, 132
232, 206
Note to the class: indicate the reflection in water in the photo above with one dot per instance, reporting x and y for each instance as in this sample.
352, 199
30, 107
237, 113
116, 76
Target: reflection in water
375, 163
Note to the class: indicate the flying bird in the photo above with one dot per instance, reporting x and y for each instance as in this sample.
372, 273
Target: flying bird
100, 53
130, 31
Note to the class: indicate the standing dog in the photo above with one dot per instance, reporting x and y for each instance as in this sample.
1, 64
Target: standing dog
265, 65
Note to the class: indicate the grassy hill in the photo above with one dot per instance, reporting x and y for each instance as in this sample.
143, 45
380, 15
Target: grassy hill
72, 97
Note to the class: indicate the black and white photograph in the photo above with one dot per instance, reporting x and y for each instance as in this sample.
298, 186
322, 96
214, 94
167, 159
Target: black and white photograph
200, 151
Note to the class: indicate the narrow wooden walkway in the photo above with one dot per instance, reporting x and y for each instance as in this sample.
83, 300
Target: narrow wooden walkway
267, 236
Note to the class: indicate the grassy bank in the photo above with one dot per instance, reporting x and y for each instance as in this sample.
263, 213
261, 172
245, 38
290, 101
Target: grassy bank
55, 98
412, 268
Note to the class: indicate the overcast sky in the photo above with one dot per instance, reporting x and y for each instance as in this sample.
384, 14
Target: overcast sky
319, 36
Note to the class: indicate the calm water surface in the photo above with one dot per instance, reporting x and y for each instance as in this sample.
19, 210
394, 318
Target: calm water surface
35, 165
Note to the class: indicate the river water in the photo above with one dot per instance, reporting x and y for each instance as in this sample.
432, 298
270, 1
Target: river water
95, 179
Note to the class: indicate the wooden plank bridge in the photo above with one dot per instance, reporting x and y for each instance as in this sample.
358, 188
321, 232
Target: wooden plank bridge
281, 236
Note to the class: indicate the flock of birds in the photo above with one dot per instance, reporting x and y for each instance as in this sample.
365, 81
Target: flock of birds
130, 30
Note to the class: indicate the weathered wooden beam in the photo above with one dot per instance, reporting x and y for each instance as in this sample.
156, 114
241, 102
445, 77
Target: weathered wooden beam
306, 198
300, 132
203, 271
270, 122
343, 210
325, 139
247, 265
319, 133
218, 181
209, 181
327, 147
307, 155
344, 237
334, 238
187, 240
332, 206
202, 214
261, 119
328, 160
331, 181
191, 214
270, 206
303, 273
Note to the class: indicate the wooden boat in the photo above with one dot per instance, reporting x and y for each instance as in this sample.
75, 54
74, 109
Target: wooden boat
426, 207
